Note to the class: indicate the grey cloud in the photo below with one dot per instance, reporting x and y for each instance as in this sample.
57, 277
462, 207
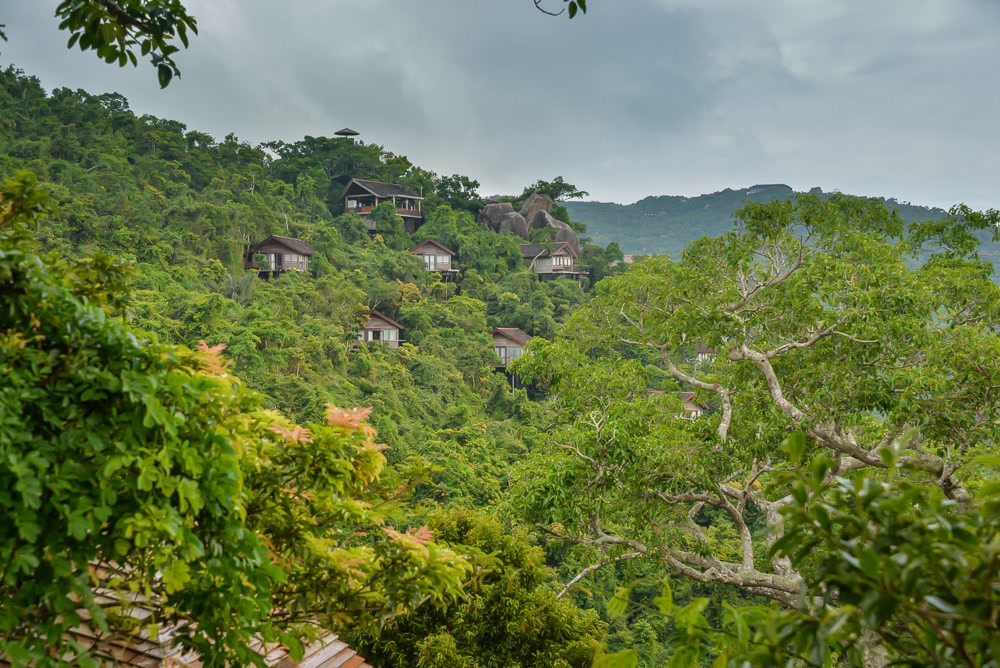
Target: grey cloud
644, 97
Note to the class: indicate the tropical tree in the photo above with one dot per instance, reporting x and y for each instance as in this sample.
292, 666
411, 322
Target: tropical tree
820, 326
557, 189
115, 450
139, 473
508, 616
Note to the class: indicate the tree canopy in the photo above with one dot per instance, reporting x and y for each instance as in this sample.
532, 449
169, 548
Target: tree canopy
815, 322
140, 473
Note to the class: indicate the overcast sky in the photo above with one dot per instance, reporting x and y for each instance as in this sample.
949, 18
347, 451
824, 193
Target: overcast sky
899, 98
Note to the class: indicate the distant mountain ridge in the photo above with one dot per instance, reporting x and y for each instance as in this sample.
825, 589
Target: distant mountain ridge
665, 224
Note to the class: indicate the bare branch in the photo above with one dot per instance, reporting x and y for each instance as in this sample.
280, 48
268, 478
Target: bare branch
776, 277
773, 385
538, 6
723, 392
736, 516
594, 567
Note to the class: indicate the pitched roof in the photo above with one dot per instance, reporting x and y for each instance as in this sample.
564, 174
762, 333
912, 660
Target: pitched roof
690, 401
375, 314
384, 190
516, 335
296, 245
143, 648
430, 242
532, 251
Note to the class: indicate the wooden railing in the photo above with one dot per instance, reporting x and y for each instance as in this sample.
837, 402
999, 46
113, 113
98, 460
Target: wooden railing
362, 210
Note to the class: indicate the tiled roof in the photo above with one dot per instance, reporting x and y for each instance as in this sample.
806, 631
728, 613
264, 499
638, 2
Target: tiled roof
514, 334
296, 245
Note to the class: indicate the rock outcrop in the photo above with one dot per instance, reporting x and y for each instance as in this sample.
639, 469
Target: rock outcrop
536, 202
501, 217
536, 214
563, 231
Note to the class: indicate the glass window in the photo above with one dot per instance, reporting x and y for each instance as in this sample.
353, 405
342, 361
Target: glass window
429, 261
389, 335
501, 353
513, 352
443, 260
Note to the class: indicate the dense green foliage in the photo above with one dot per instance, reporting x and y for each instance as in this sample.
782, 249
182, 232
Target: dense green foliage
182, 208
821, 321
144, 475
819, 324
507, 618
114, 449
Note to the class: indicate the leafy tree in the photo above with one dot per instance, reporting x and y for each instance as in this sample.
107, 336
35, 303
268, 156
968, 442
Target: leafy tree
390, 226
147, 469
117, 29
898, 561
557, 189
507, 618
456, 191
898, 573
118, 450
821, 326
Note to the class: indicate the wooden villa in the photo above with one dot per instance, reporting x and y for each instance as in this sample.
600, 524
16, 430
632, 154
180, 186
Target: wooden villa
437, 258
509, 342
278, 254
703, 354
692, 409
382, 329
554, 259
362, 196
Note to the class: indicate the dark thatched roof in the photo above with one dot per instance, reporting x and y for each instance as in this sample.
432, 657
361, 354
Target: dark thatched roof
383, 190
297, 245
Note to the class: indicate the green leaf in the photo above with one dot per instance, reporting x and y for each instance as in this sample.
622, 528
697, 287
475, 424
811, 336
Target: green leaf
176, 575
626, 658
665, 601
619, 602
794, 446
164, 74
992, 461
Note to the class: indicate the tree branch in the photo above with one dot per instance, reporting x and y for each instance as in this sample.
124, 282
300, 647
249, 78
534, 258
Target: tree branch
538, 6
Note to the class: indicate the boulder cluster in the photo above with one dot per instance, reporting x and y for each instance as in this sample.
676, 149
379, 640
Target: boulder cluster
536, 213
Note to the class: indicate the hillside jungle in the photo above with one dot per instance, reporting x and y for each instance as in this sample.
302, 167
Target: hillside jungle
559, 499
182, 208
